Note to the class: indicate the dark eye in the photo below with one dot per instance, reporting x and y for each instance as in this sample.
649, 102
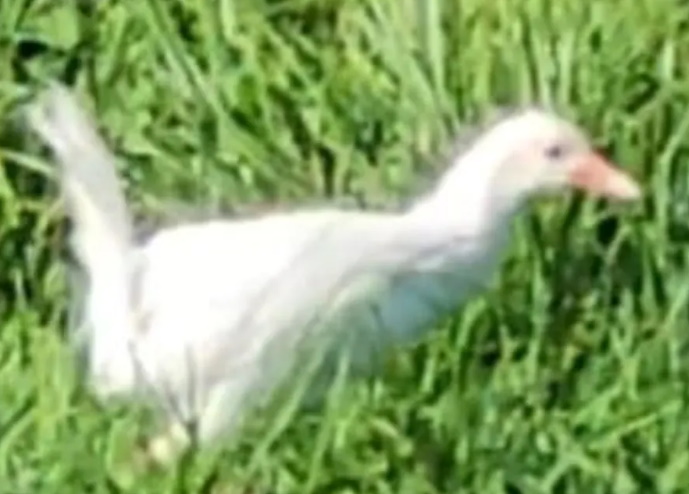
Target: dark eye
555, 152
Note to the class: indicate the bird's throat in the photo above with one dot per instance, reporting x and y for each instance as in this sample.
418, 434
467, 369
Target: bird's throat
471, 204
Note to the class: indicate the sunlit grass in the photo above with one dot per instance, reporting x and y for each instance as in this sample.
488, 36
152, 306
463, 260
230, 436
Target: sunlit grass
569, 376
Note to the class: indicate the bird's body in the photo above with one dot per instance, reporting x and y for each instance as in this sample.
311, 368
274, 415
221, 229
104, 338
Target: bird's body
346, 284
206, 318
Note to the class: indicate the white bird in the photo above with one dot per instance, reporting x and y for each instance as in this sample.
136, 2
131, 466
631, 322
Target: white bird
206, 319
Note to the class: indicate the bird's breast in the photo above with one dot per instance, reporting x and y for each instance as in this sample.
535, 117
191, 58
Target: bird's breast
380, 312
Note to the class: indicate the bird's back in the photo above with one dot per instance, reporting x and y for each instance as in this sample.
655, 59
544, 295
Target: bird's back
228, 260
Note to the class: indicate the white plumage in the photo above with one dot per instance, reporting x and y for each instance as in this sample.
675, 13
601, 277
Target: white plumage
206, 318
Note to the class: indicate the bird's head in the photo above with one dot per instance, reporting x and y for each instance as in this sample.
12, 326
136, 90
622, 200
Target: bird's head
538, 152
525, 153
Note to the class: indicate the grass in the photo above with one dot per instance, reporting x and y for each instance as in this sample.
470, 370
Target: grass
569, 376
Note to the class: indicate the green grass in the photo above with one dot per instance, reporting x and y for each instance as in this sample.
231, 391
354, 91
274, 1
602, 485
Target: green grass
569, 376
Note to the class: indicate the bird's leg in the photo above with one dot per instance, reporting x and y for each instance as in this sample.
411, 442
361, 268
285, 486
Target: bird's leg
219, 416
169, 445
164, 448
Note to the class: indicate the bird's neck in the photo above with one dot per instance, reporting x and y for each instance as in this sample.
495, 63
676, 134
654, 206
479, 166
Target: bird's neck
469, 198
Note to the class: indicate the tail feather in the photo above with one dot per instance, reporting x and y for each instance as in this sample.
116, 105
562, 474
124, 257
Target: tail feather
102, 235
95, 201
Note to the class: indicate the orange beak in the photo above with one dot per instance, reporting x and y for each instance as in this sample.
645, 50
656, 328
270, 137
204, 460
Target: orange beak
596, 175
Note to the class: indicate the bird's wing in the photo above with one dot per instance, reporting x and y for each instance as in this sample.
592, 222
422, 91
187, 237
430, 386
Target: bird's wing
226, 292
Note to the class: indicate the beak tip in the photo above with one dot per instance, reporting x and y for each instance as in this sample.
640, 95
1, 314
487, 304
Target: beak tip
600, 177
626, 189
